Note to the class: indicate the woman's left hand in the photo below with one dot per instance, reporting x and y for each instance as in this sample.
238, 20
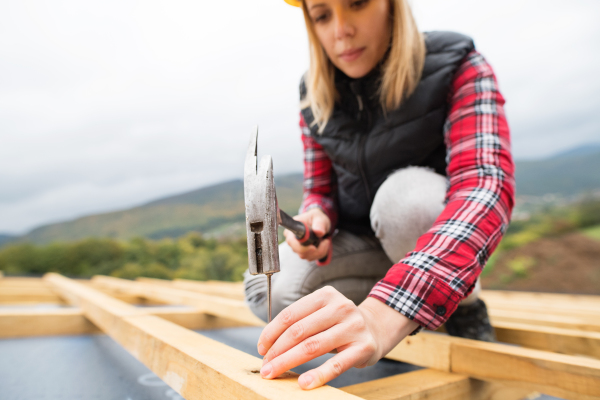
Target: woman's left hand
325, 321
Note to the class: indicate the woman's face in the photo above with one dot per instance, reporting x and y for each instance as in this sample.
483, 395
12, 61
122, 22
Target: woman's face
354, 33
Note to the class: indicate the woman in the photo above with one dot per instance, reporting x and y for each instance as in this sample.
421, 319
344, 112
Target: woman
408, 166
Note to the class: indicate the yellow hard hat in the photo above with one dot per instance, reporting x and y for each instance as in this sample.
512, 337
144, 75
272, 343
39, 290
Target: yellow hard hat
295, 3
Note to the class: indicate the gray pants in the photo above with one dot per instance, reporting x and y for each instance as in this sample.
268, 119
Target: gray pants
405, 207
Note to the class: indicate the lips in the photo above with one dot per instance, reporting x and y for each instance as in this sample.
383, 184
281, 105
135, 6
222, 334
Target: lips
351, 54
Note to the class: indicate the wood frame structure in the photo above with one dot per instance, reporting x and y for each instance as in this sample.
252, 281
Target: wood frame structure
557, 352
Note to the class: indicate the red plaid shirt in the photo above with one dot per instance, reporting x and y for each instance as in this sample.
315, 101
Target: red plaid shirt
430, 281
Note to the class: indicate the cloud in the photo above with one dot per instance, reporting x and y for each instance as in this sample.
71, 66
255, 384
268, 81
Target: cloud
109, 104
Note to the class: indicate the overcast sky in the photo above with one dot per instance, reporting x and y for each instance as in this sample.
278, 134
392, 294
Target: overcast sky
108, 104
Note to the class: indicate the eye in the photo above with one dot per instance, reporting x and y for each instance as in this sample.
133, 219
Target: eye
358, 3
321, 17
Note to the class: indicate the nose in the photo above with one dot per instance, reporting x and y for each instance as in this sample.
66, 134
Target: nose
343, 24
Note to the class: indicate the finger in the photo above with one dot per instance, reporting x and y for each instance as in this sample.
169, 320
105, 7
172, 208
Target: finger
313, 347
314, 323
309, 253
323, 249
331, 369
290, 315
293, 242
319, 226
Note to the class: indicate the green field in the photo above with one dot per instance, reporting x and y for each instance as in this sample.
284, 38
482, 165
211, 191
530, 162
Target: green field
593, 232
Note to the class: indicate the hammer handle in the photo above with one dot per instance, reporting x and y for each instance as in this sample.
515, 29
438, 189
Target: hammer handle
304, 234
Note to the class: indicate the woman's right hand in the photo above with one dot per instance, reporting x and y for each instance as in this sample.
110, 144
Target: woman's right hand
319, 222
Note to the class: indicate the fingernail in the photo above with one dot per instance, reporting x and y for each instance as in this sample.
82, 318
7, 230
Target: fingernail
266, 370
305, 380
261, 349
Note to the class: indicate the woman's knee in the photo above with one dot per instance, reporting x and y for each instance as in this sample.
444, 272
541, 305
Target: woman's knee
405, 207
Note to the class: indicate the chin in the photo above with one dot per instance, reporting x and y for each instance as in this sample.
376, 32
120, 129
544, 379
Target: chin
355, 71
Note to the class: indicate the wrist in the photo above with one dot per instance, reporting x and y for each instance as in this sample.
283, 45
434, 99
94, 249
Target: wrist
387, 325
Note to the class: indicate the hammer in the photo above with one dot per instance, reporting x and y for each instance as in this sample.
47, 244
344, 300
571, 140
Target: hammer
263, 216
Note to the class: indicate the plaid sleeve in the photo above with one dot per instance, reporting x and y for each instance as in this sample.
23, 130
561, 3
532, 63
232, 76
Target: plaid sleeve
319, 182
427, 285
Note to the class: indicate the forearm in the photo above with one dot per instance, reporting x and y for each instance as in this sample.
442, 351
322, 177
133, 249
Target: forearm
318, 185
429, 283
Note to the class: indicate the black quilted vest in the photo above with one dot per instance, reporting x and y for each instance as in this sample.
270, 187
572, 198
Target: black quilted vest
365, 146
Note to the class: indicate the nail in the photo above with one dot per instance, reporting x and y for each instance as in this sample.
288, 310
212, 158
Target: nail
266, 370
305, 380
261, 349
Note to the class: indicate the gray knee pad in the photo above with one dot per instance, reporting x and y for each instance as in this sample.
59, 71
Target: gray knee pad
405, 207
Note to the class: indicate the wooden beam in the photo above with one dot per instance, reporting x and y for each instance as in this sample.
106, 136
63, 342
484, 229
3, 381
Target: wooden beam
568, 311
231, 290
416, 385
554, 374
219, 306
553, 300
126, 297
193, 365
71, 321
559, 340
536, 318
27, 291
22, 281
429, 384
25, 298
23, 323
537, 337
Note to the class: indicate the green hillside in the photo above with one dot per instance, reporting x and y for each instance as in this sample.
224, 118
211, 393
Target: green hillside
6, 238
567, 174
205, 210
219, 209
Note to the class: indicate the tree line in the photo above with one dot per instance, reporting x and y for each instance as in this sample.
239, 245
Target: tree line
195, 257
189, 257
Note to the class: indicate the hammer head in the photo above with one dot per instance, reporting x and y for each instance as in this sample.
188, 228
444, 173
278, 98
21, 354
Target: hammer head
261, 211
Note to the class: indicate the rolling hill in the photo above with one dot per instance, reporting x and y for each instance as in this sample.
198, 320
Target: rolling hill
208, 210
219, 209
568, 173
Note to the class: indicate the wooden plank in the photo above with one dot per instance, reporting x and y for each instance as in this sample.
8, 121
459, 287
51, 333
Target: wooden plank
25, 323
482, 390
554, 374
28, 290
71, 321
219, 306
591, 314
193, 365
126, 297
589, 310
553, 300
416, 385
533, 318
22, 282
11, 298
559, 340
429, 384
230, 290
425, 350
23, 291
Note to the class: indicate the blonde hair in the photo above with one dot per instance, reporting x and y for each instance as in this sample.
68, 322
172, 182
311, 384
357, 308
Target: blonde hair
400, 75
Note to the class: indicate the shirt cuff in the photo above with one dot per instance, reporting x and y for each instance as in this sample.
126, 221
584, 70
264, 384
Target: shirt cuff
418, 295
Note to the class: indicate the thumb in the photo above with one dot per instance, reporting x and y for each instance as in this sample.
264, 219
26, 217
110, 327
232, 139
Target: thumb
319, 226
